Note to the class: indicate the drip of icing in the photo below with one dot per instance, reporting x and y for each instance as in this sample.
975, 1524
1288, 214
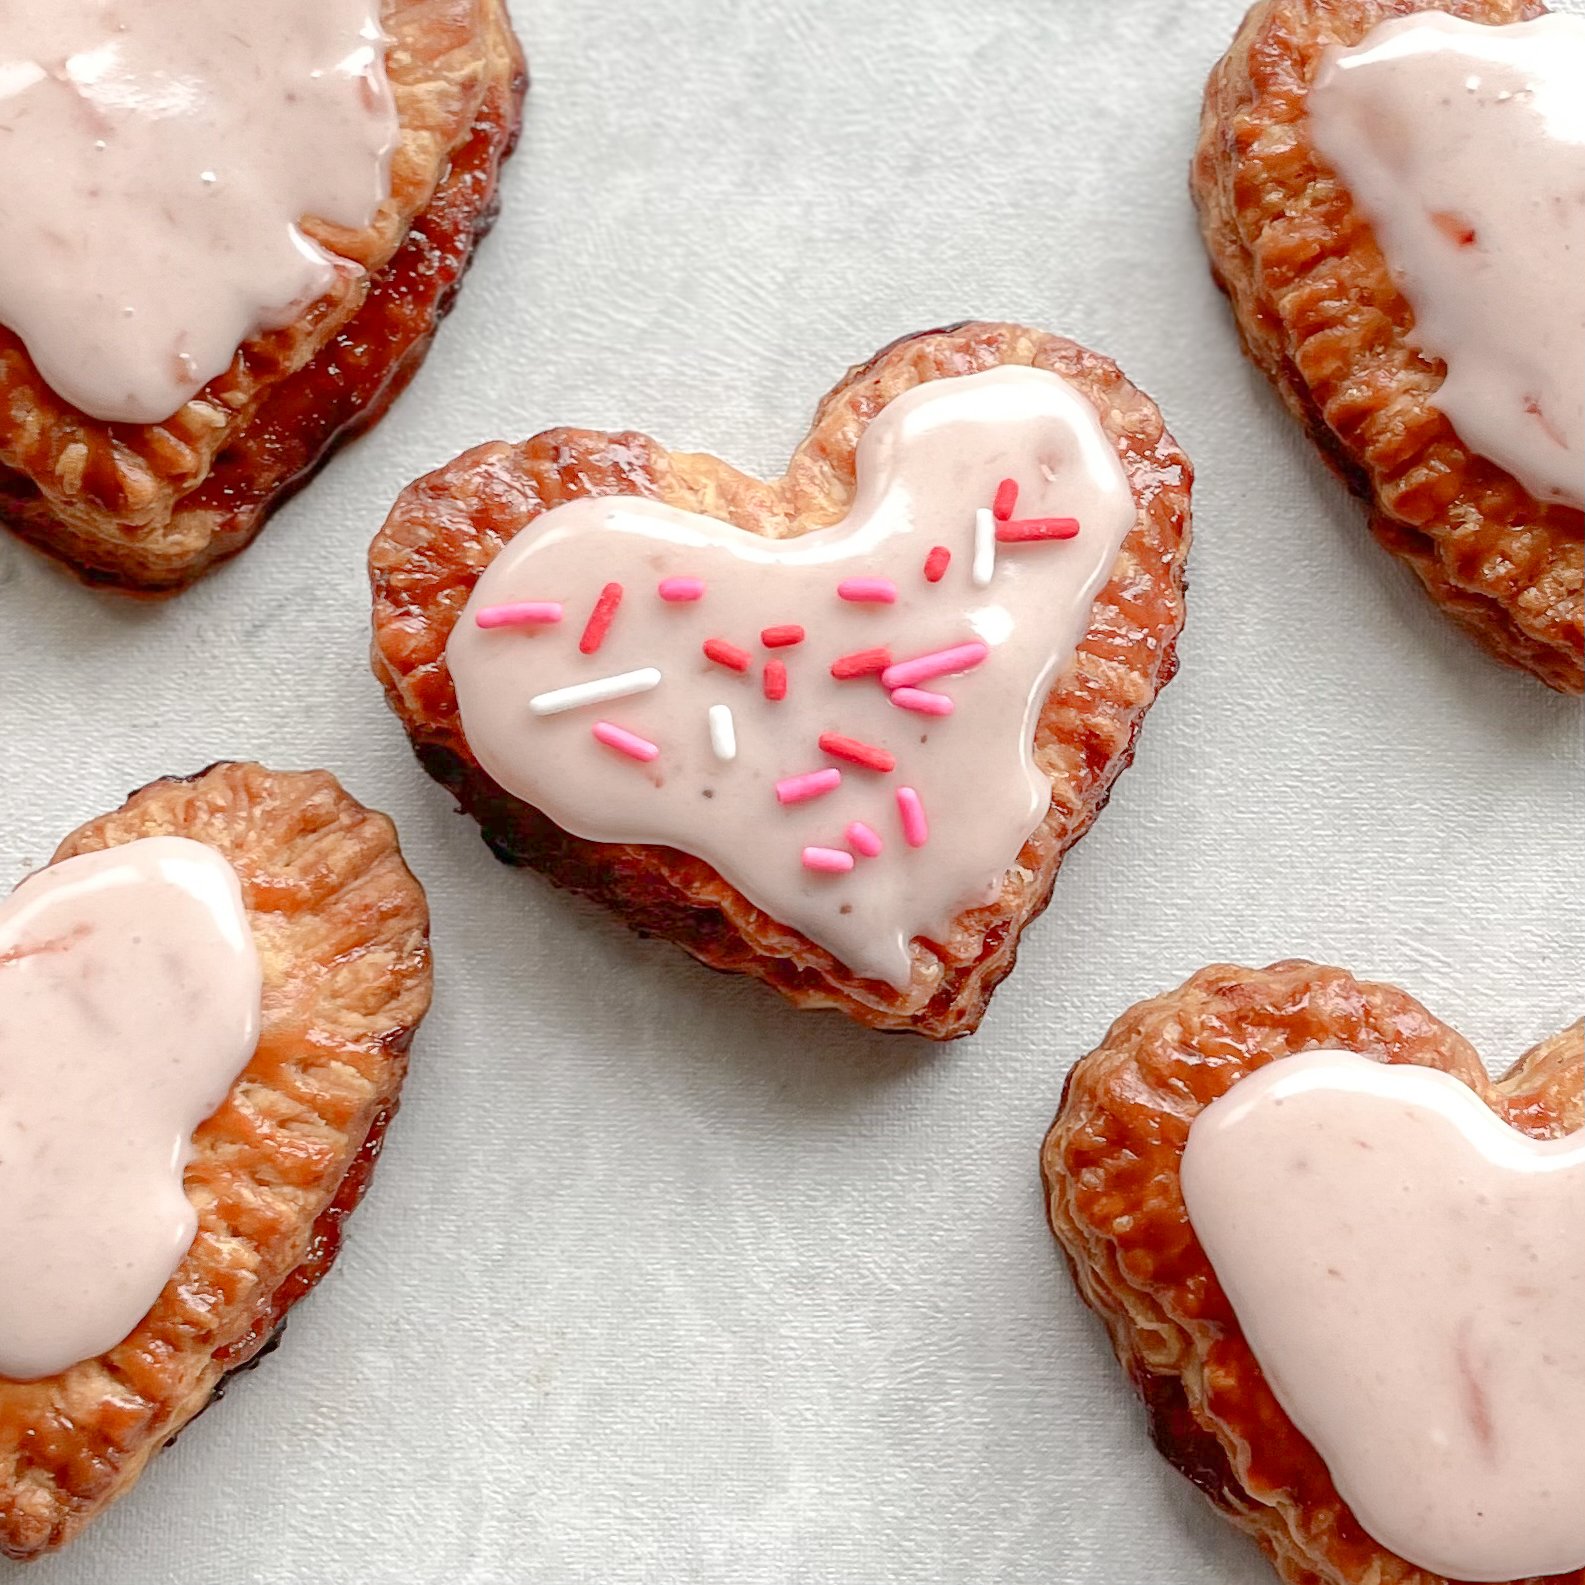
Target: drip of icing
1410, 1273
158, 159
129, 1002
1464, 146
925, 464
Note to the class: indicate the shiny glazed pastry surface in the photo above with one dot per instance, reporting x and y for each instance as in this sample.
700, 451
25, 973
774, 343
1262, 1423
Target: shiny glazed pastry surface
1319, 312
342, 934
449, 526
151, 506
1111, 1169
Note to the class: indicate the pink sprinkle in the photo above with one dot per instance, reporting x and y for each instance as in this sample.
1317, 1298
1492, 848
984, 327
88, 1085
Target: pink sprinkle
916, 829
775, 681
936, 563
600, 619
1006, 500
812, 784
625, 742
523, 611
680, 590
939, 663
1027, 529
728, 655
829, 861
924, 703
867, 591
863, 839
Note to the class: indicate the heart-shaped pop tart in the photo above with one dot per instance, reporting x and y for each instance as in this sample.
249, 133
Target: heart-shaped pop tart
205, 1007
836, 730
1345, 1270
1390, 194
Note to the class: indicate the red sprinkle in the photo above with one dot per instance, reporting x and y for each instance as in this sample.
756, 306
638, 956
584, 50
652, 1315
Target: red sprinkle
600, 618
1032, 528
861, 663
857, 753
936, 564
781, 637
775, 680
728, 655
1006, 500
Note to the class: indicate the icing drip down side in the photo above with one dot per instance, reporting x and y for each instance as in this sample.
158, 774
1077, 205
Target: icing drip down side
840, 723
1410, 1273
129, 1003
1464, 146
158, 159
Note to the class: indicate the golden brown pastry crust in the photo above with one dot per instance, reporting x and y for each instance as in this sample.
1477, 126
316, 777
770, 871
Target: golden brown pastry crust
1110, 1166
150, 507
1319, 313
447, 527
342, 931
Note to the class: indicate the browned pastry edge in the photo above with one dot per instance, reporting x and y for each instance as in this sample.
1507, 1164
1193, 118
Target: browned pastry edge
342, 931
446, 528
1318, 312
305, 416
1110, 1168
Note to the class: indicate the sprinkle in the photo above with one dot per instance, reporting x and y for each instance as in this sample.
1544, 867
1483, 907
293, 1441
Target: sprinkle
916, 829
596, 691
861, 663
939, 663
936, 563
625, 742
781, 637
984, 548
812, 784
600, 618
923, 703
680, 590
867, 591
775, 680
1026, 529
728, 655
828, 861
858, 753
1006, 500
521, 612
863, 840
723, 732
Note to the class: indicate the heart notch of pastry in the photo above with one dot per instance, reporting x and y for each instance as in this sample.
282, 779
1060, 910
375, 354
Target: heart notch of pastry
836, 730
1344, 1268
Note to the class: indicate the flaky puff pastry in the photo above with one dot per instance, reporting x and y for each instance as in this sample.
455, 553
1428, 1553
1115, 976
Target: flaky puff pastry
343, 940
1111, 1171
150, 507
1319, 313
446, 528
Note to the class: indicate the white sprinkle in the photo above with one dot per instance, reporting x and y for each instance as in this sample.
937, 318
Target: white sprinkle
984, 547
595, 692
723, 734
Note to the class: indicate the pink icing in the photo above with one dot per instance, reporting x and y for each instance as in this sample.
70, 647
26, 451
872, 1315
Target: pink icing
926, 464
158, 159
1464, 146
1410, 1273
129, 1002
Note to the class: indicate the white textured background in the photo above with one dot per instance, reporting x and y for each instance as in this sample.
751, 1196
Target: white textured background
660, 1281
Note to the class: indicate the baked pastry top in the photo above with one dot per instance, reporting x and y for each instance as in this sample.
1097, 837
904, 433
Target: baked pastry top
1111, 1169
126, 503
1319, 312
448, 527
342, 934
